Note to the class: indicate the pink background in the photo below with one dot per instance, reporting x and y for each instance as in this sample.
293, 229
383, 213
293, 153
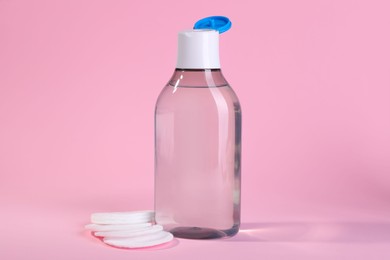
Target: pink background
78, 84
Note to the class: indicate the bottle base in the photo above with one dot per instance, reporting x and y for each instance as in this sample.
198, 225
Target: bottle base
203, 233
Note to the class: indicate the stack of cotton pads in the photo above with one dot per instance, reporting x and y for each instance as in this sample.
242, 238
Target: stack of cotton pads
128, 229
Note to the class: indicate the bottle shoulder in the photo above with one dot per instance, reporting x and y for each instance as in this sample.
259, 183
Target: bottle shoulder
197, 87
200, 78
175, 96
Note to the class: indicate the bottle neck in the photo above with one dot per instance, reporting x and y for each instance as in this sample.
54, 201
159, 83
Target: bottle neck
198, 78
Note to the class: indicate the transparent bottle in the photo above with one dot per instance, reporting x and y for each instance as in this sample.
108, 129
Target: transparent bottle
198, 150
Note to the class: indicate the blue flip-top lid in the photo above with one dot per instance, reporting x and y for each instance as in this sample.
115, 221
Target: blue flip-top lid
218, 23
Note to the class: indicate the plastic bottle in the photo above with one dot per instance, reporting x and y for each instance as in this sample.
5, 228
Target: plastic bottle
198, 142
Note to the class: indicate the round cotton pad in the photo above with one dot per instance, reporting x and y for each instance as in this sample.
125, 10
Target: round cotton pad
130, 233
142, 241
98, 227
122, 217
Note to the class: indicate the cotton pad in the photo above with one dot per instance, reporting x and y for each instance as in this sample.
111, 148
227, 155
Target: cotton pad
117, 227
133, 217
128, 229
130, 233
141, 241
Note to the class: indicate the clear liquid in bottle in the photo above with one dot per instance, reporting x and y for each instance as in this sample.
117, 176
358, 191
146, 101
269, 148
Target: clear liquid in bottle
198, 155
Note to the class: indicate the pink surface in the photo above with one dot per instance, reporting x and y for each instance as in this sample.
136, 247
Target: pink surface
78, 84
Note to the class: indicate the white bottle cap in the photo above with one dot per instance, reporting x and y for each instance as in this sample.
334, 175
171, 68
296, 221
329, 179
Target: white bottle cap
198, 49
